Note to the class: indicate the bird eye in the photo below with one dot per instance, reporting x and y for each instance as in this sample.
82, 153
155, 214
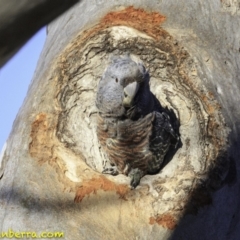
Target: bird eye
116, 80
125, 95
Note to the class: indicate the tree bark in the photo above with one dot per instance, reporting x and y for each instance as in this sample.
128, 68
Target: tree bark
52, 161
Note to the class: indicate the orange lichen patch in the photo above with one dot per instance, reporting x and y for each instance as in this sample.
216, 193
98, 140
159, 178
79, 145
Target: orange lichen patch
147, 22
165, 220
100, 183
40, 147
151, 220
131, 14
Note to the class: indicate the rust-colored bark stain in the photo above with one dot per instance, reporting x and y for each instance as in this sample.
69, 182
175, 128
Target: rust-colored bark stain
40, 147
100, 183
165, 220
148, 22
141, 20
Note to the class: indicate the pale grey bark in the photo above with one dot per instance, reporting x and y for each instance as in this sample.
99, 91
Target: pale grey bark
52, 155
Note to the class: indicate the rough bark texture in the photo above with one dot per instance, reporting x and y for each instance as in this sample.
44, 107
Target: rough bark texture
19, 20
52, 161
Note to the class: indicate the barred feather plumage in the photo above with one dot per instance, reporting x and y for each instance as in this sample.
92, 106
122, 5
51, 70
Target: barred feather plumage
135, 133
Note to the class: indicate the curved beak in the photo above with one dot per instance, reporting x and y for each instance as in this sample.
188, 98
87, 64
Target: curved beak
130, 92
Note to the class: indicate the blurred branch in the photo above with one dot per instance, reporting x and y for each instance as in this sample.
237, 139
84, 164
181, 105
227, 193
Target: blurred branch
19, 20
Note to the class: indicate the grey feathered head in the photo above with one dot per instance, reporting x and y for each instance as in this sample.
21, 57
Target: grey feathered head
119, 85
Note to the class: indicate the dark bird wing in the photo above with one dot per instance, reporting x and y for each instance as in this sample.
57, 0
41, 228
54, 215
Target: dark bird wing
162, 136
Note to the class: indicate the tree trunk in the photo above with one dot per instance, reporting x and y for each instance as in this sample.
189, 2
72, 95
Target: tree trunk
52, 161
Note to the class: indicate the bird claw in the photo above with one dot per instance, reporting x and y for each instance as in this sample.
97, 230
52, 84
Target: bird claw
111, 170
134, 182
135, 175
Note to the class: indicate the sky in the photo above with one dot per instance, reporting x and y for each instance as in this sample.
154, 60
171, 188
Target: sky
15, 77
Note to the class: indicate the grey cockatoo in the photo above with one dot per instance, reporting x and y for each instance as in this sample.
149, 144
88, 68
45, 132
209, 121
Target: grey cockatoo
134, 130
